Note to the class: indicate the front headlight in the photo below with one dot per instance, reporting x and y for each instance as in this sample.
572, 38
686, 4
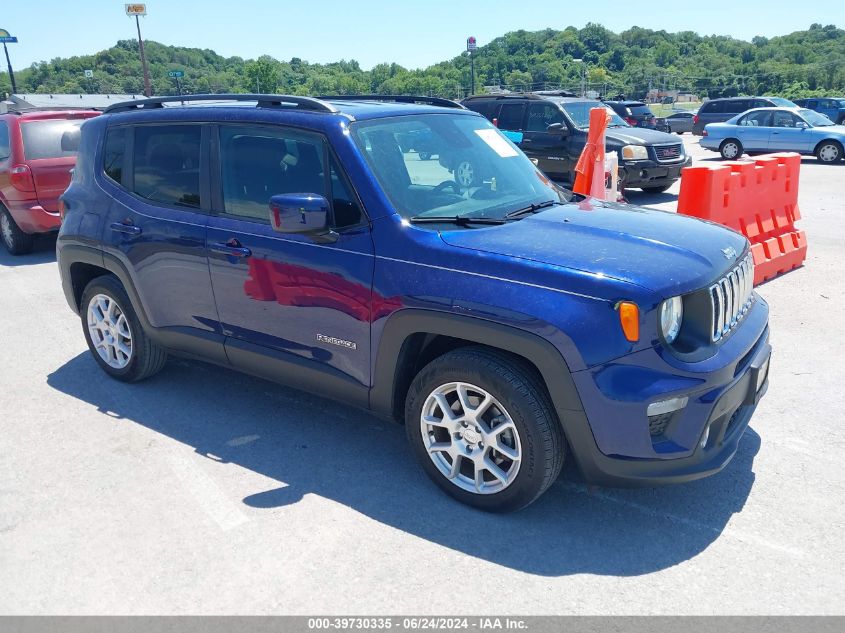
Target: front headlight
671, 317
634, 152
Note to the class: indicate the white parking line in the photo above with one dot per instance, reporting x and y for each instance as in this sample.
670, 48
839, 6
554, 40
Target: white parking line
728, 531
205, 491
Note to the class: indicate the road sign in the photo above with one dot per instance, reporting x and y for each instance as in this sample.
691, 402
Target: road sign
175, 74
89, 74
6, 38
136, 9
471, 45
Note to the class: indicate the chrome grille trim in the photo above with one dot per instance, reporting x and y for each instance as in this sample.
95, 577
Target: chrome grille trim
670, 153
731, 297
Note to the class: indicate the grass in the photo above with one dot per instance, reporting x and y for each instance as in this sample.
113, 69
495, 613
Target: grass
664, 110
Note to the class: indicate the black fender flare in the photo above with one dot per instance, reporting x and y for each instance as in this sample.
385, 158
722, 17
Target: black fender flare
541, 353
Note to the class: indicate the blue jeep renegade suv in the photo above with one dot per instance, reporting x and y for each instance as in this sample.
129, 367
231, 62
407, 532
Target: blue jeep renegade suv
508, 323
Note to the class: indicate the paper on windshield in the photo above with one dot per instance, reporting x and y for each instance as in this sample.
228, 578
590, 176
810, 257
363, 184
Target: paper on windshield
497, 143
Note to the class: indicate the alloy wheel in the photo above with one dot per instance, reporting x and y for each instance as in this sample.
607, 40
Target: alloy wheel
109, 331
471, 438
465, 174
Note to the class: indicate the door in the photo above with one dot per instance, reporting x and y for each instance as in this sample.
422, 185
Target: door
155, 227
300, 298
546, 148
786, 135
754, 129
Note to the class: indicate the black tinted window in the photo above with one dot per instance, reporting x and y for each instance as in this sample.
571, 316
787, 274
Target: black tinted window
5, 146
258, 163
641, 110
114, 153
486, 108
542, 115
345, 207
735, 107
166, 164
510, 116
50, 139
713, 107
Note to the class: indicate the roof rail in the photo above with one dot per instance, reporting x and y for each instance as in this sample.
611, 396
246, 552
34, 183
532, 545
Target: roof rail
510, 95
435, 101
262, 101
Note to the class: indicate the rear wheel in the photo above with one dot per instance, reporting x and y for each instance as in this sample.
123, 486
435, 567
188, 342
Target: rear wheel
424, 155
16, 241
829, 151
730, 149
482, 426
114, 333
656, 189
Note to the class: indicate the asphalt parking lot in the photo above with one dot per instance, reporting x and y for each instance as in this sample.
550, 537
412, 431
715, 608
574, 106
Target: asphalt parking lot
204, 491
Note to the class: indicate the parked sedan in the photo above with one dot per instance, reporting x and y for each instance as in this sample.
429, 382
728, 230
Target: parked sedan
680, 122
776, 130
832, 108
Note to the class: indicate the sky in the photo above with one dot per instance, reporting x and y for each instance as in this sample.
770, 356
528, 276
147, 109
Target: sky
413, 33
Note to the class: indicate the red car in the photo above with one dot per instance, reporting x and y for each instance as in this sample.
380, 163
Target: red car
37, 153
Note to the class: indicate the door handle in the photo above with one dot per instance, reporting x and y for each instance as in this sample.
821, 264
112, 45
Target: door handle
128, 229
232, 248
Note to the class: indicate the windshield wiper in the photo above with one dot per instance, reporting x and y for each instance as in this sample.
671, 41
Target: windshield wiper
460, 220
531, 208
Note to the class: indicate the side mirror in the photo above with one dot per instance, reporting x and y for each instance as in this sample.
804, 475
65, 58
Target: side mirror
557, 128
299, 213
801, 125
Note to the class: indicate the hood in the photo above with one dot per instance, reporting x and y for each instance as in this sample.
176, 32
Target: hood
663, 252
638, 136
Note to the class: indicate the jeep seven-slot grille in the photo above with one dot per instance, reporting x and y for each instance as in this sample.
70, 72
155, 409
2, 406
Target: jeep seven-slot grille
666, 153
731, 297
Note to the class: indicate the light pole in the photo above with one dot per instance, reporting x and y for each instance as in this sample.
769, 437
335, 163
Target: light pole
137, 10
5, 37
583, 76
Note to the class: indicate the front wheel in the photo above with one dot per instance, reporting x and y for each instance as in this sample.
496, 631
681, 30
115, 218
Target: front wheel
657, 189
829, 152
114, 333
730, 149
16, 241
481, 424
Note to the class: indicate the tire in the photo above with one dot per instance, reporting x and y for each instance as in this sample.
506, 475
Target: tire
424, 155
16, 241
656, 189
145, 357
829, 152
519, 407
730, 149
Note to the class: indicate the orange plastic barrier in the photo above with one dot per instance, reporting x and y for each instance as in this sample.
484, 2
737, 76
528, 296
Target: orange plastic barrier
758, 198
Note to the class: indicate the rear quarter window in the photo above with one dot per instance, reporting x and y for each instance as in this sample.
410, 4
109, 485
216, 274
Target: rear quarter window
114, 153
50, 139
5, 144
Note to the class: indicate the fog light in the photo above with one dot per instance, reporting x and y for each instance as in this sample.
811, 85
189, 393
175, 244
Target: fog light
705, 437
667, 406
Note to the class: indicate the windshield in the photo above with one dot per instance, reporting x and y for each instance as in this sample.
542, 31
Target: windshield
579, 112
443, 165
781, 102
816, 119
50, 139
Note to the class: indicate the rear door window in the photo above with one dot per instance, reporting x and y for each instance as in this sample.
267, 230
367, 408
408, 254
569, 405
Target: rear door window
511, 115
166, 164
737, 106
713, 107
757, 119
55, 138
542, 115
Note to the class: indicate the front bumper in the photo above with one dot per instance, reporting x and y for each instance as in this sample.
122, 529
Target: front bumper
620, 448
649, 173
31, 217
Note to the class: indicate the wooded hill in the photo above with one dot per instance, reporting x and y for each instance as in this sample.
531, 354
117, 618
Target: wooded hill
803, 63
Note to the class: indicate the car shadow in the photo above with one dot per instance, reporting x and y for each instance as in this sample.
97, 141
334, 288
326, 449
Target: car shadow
314, 446
43, 252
